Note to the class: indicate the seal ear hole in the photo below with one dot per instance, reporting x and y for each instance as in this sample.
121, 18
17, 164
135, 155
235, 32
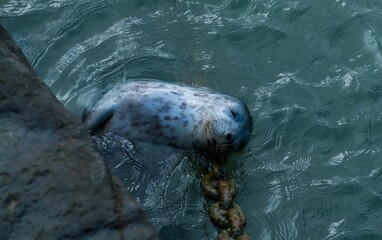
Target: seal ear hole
228, 138
234, 115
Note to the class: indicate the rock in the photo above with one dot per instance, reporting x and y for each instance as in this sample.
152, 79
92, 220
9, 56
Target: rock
54, 183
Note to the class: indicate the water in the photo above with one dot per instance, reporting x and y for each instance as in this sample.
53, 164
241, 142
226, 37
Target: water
310, 72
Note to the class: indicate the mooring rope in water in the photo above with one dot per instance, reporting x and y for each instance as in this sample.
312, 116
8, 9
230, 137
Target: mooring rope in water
224, 213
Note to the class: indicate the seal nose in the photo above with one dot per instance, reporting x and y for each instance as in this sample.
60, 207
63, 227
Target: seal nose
228, 138
232, 144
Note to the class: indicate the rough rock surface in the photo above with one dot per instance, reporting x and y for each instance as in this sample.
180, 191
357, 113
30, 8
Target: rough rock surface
54, 184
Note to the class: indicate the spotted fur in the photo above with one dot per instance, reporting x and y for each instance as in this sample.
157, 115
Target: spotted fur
179, 116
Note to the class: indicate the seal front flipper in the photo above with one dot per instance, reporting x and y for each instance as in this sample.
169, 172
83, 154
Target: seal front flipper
85, 114
96, 118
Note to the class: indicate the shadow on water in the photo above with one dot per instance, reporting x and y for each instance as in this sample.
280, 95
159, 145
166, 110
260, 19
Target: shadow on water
165, 182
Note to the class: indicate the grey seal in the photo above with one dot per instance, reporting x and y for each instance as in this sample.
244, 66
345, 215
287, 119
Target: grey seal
176, 115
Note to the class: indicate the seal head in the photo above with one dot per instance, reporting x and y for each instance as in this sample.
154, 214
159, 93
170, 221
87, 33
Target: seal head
229, 127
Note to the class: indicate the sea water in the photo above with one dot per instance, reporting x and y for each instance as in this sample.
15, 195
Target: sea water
310, 72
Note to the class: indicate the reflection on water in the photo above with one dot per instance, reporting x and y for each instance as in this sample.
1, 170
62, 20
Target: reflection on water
310, 72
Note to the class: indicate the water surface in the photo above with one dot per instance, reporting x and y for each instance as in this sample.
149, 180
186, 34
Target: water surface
310, 72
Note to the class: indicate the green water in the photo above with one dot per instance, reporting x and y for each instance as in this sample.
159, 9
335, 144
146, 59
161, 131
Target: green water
309, 70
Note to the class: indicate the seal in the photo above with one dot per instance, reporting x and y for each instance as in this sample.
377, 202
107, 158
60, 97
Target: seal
180, 116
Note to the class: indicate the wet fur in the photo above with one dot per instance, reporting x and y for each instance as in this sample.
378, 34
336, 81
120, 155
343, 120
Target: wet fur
179, 116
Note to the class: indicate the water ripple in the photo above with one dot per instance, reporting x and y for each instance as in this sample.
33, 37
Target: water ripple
17, 8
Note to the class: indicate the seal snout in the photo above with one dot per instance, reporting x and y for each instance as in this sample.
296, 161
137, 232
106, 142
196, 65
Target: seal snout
233, 130
228, 135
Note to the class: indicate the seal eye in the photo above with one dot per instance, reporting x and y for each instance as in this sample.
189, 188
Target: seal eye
228, 138
233, 114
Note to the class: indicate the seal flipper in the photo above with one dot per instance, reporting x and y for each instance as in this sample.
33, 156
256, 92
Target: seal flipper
95, 119
85, 114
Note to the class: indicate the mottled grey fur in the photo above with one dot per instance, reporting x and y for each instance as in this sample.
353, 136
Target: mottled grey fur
179, 116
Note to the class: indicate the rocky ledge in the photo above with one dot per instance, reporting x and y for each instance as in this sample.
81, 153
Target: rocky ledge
54, 183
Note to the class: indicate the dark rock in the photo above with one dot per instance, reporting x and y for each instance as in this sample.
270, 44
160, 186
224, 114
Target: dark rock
54, 184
